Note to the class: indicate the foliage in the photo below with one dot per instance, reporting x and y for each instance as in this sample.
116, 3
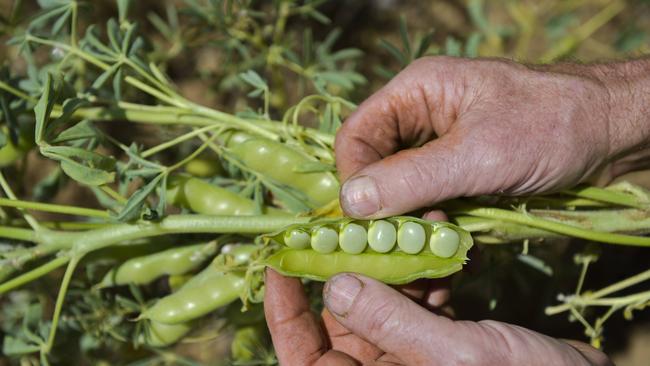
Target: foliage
76, 82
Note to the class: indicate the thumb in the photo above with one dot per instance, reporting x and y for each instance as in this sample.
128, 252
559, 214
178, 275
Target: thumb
400, 327
419, 177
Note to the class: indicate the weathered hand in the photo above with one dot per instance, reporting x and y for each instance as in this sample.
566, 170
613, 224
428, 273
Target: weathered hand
449, 127
367, 322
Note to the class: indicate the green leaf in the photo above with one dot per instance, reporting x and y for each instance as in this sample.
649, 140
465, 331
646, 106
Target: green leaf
80, 131
16, 347
404, 35
452, 47
472, 44
86, 167
123, 9
393, 51
254, 79
86, 175
424, 44
101, 79
61, 22
43, 109
114, 35
133, 207
3, 139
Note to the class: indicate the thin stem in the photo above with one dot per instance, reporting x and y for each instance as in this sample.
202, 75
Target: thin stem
10, 193
32, 275
50, 207
557, 227
17, 233
194, 154
8, 88
605, 195
628, 282
114, 195
182, 138
59, 302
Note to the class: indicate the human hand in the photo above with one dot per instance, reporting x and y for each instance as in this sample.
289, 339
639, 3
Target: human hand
475, 127
367, 322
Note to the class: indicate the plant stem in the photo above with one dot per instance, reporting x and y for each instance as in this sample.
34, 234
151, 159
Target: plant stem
10, 193
59, 302
49, 207
628, 282
606, 195
33, 274
17, 233
538, 222
87, 241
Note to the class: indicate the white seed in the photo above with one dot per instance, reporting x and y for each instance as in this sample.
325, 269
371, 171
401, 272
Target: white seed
444, 242
411, 237
382, 236
324, 240
296, 239
353, 238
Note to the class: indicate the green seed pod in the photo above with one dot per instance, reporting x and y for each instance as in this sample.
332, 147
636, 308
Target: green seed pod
296, 239
410, 263
162, 335
444, 242
381, 236
324, 240
353, 238
411, 237
174, 261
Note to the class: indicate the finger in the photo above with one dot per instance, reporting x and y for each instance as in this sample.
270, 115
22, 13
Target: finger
297, 336
435, 215
344, 341
406, 112
445, 168
400, 327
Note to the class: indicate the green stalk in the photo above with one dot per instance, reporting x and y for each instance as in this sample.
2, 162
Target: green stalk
87, 241
49, 207
34, 274
628, 282
17, 233
531, 220
606, 195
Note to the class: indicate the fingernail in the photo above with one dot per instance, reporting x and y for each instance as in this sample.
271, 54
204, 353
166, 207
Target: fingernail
340, 292
360, 197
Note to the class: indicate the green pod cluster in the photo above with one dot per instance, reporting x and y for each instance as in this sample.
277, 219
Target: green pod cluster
280, 163
394, 250
209, 290
145, 269
208, 199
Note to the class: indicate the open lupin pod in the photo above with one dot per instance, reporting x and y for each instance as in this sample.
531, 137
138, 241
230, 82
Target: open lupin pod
394, 250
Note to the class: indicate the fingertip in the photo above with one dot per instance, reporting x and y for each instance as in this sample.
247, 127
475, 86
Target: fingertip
435, 215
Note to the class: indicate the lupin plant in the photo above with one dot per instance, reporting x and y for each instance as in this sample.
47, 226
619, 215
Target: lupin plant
182, 224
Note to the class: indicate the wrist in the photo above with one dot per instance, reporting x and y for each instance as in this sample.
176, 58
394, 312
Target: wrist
628, 88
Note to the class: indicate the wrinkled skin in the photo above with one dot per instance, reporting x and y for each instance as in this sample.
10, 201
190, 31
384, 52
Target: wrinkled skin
446, 128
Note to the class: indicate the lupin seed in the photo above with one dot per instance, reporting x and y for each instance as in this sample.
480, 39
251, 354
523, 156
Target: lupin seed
444, 242
382, 236
324, 240
411, 237
353, 238
296, 239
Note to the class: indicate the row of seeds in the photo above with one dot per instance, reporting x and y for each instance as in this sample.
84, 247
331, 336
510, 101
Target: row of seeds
381, 236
